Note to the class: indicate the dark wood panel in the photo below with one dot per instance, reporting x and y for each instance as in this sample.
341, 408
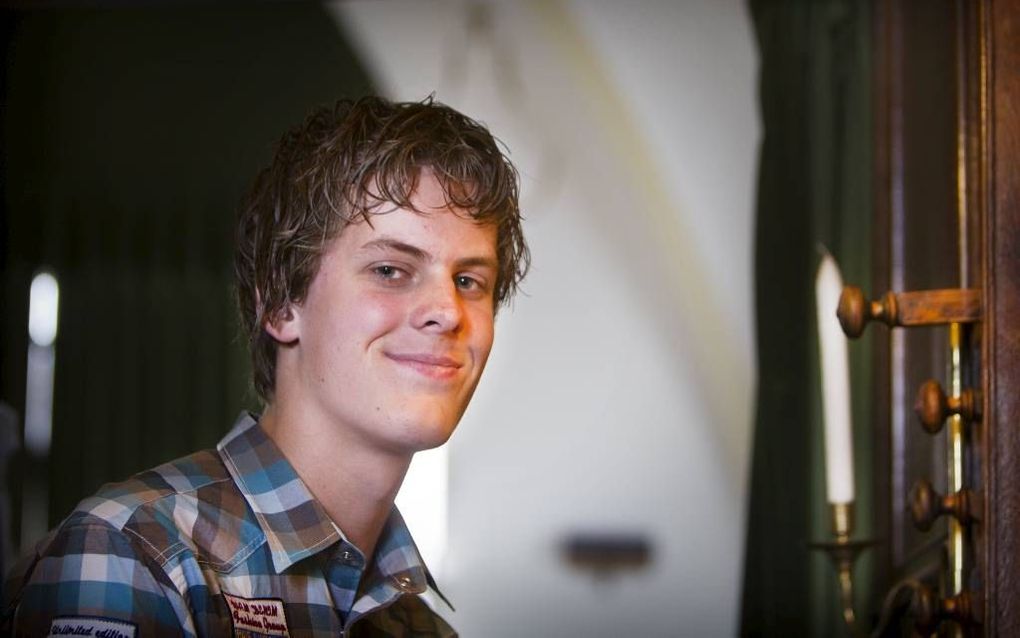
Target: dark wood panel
920, 216
1002, 322
948, 191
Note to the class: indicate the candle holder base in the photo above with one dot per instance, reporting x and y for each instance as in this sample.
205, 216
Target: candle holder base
844, 553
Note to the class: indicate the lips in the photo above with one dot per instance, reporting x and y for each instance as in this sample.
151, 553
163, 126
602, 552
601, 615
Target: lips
430, 365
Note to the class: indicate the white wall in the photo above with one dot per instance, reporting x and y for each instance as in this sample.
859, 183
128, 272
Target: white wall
619, 393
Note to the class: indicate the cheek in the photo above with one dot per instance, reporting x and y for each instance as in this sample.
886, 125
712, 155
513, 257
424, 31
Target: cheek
482, 334
378, 314
364, 319
335, 332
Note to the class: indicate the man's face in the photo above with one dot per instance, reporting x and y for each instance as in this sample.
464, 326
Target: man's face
393, 334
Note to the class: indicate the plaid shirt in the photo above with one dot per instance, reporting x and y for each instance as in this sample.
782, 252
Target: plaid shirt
219, 543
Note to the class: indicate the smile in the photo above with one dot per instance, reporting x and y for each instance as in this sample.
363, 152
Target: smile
435, 367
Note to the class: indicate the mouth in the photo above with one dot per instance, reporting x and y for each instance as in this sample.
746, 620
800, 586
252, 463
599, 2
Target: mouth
429, 365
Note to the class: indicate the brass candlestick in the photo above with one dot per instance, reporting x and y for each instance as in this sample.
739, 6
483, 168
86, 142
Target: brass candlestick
844, 552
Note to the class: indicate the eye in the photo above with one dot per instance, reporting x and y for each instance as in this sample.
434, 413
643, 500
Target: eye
390, 273
467, 283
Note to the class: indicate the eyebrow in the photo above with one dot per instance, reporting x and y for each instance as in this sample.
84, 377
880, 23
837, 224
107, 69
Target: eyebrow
387, 243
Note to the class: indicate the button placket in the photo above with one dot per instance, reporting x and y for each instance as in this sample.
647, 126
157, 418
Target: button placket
344, 573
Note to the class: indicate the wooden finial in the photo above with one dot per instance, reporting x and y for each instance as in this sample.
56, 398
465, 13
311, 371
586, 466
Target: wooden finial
915, 308
933, 407
926, 505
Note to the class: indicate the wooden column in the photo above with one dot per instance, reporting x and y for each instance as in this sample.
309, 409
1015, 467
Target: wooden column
1001, 350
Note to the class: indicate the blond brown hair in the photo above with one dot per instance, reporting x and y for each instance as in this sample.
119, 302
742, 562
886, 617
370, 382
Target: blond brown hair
342, 164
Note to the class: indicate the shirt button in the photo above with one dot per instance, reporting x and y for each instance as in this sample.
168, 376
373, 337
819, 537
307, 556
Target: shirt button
404, 582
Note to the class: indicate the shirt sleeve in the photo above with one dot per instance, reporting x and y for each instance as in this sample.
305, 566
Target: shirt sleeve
90, 576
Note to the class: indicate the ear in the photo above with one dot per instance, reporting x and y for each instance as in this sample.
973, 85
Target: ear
284, 326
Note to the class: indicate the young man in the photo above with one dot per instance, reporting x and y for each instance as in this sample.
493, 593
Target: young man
372, 255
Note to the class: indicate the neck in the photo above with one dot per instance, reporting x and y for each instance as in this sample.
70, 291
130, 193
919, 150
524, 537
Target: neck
354, 482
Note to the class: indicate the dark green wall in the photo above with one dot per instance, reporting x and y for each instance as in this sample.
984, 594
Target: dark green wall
814, 186
129, 136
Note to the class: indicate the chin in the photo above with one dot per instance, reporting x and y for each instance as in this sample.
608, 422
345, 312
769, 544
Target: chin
422, 445
428, 437
426, 431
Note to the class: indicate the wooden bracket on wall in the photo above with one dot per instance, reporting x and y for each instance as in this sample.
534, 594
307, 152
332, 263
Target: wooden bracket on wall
917, 308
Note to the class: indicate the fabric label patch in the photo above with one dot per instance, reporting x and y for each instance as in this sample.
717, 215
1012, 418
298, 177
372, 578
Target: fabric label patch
91, 626
257, 616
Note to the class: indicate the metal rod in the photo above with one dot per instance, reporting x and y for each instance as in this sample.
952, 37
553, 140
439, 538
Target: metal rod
955, 464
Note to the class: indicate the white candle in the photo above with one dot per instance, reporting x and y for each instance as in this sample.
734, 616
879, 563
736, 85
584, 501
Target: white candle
832, 343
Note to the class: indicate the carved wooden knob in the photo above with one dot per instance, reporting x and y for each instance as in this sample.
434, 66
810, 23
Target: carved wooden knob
855, 311
914, 308
929, 610
926, 505
933, 407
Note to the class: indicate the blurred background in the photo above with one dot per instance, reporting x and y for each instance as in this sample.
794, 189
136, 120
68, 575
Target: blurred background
601, 482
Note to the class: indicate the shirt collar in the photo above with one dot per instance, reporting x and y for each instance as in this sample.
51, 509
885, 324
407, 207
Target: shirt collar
295, 524
398, 569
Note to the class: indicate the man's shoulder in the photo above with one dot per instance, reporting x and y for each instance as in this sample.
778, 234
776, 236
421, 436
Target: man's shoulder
156, 488
189, 505
178, 476
133, 551
86, 572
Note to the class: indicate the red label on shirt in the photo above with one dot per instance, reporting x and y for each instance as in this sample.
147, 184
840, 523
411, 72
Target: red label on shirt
257, 616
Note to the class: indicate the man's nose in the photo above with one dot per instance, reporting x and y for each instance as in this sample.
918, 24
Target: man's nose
439, 307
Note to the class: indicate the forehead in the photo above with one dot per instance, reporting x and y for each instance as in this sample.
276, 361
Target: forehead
438, 234
429, 223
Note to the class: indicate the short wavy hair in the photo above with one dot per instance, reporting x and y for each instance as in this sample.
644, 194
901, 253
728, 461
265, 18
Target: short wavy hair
346, 162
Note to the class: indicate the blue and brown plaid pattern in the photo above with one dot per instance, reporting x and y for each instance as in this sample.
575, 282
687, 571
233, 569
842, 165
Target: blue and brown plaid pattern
164, 550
